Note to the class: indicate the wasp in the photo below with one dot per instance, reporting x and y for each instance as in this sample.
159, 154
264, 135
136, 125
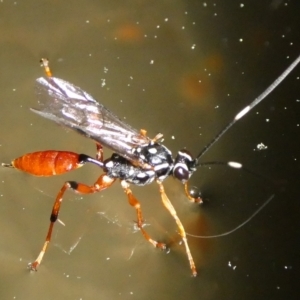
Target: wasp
137, 159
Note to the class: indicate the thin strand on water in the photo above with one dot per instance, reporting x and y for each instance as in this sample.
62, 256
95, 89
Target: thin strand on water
236, 228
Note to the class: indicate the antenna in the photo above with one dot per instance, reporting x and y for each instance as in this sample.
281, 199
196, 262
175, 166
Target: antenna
245, 110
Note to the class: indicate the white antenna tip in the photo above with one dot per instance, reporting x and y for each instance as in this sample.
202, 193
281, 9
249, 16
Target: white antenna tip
242, 113
234, 164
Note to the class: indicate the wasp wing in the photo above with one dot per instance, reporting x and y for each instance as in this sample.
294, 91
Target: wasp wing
69, 105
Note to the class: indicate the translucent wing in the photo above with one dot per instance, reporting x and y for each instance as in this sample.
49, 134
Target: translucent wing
69, 105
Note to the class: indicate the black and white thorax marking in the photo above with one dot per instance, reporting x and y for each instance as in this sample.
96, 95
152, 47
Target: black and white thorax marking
158, 164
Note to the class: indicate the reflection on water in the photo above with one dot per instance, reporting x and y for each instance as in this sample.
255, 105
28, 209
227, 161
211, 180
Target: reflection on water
183, 69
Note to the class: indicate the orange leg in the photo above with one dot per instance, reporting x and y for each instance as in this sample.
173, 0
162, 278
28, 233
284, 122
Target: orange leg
99, 153
45, 64
192, 199
102, 183
159, 136
136, 204
167, 203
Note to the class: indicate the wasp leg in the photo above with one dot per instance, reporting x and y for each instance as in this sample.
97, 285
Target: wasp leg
102, 183
167, 203
99, 153
45, 64
159, 136
196, 199
143, 132
136, 204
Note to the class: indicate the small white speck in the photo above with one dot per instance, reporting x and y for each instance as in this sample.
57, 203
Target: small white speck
242, 5
173, 137
261, 146
193, 46
288, 267
151, 62
87, 21
241, 40
230, 265
267, 120
166, 19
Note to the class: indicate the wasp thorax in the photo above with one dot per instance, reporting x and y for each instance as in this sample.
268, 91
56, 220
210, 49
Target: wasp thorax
184, 165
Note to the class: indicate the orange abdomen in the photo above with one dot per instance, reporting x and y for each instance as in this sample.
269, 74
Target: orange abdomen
47, 163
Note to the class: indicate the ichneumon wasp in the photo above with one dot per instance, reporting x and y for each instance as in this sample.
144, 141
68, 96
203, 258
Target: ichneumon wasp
137, 160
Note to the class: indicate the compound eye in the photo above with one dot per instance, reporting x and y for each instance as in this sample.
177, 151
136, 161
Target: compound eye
181, 172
